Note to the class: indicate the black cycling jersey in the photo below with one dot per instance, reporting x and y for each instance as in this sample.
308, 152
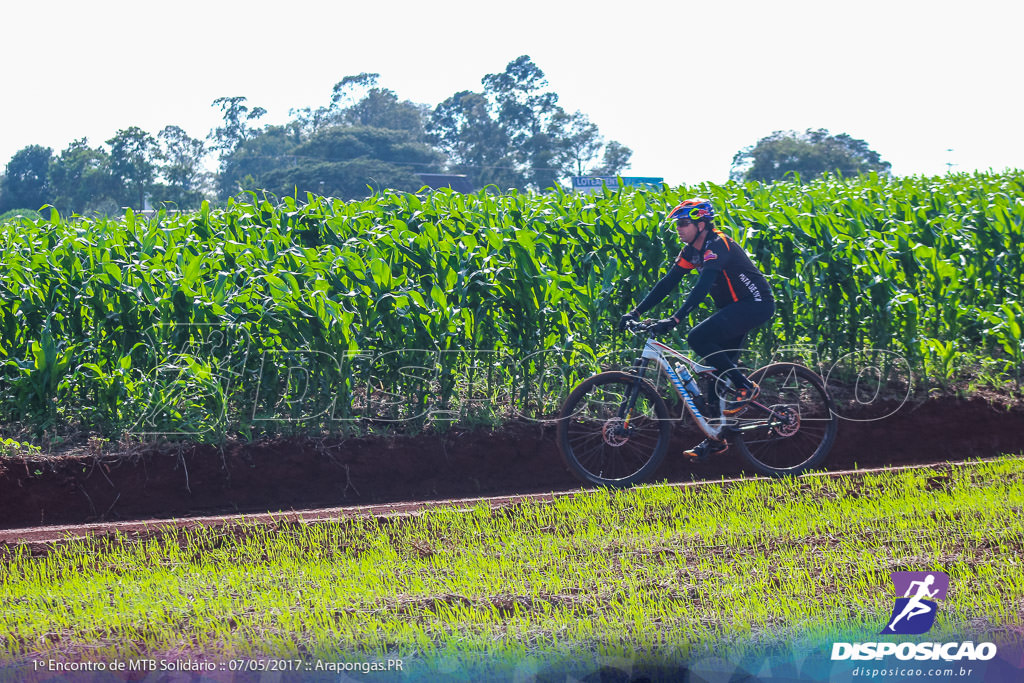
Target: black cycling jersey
726, 272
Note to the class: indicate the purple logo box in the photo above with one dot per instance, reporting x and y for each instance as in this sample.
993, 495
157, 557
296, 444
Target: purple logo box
938, 584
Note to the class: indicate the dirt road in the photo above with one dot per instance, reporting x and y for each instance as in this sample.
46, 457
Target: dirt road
384, 475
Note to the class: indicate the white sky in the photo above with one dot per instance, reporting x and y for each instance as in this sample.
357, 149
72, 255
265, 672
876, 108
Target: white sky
685, 84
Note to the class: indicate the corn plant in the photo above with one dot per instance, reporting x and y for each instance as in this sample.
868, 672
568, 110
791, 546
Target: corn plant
314, 312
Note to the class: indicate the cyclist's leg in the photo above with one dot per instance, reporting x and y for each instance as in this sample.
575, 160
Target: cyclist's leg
713, 387
704, 340
719, 339
736, 378
733, 347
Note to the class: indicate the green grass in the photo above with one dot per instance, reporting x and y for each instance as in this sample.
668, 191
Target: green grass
660, 572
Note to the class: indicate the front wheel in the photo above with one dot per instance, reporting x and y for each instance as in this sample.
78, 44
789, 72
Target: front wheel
614, 429
790, 427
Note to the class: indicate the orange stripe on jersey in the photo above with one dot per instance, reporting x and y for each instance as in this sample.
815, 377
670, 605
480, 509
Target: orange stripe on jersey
731, 290
683, 263
724, 238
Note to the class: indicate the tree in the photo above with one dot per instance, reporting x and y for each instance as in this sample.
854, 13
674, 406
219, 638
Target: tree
341, 143
507, 135
475, 143
236, 128
341, 95
357, 124
81, 180
308, 121
378, 108
254, 158
133, 155
524, 110
810, 154
181, 166
581, 141
343, 161
517, 94
381, 108
615, 161
515, 135
26, 182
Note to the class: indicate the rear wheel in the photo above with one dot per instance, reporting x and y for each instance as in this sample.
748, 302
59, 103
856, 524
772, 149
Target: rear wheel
790, 427
604, 440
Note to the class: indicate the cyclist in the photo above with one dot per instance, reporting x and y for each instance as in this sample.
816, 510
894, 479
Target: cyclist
740, 292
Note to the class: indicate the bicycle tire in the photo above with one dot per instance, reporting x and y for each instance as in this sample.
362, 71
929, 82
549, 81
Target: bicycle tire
587, 438
800, 424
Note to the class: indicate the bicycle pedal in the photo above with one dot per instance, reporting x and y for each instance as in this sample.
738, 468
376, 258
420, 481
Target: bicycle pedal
705, 449
742, 401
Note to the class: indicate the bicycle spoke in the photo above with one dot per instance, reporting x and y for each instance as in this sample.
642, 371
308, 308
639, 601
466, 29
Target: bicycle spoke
791, 423
596, 439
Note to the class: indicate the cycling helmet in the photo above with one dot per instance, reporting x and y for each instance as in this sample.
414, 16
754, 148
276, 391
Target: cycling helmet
695, 209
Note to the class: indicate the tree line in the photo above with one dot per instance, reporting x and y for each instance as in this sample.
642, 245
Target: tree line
510, 134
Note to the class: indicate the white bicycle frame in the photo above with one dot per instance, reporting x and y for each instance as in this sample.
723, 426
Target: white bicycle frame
656, 351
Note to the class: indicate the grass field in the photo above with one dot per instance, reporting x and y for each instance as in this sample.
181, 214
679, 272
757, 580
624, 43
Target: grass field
659, 572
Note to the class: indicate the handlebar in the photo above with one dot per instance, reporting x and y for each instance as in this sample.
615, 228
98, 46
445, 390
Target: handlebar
640, 326
644, 326
636, 327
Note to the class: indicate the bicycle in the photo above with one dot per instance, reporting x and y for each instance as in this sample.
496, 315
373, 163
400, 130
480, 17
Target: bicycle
614, 427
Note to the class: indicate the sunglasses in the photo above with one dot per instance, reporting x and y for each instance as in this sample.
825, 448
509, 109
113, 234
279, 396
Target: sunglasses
683, 222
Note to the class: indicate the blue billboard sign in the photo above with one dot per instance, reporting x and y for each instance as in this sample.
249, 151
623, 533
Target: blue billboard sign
592, 184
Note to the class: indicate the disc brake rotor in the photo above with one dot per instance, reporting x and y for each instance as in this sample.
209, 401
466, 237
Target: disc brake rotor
786, 420
614, 432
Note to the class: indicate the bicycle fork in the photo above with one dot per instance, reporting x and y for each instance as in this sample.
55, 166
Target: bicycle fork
626, 409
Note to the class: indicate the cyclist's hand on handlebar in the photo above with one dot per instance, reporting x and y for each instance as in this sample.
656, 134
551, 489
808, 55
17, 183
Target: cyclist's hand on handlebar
626, 319
664, 325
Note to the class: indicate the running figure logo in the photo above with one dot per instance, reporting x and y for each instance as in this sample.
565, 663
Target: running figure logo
915, 612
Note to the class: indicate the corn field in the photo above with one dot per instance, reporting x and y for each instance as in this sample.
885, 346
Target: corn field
269, 316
